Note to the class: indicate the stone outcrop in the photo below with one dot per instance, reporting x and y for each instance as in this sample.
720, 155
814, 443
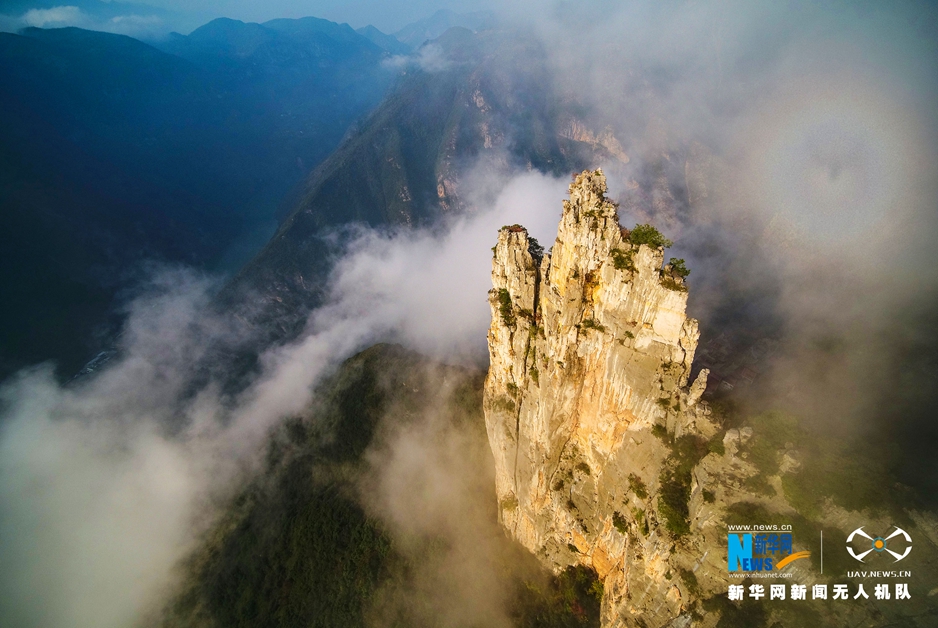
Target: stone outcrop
605, 454
590, 357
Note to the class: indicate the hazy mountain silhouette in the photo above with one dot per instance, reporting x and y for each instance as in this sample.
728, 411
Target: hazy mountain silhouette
385, 41
416, 33
114, 151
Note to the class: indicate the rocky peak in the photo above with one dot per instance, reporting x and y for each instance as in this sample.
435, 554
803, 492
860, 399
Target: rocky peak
604, 454
590, 353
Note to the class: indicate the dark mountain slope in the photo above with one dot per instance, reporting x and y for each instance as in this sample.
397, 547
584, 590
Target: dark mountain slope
296, 547
491, 99
114, 152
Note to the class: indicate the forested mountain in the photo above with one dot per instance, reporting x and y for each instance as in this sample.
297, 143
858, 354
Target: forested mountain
114, 152
489, 101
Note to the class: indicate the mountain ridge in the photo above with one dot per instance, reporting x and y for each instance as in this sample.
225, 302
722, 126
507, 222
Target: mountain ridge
490, 104
119, 153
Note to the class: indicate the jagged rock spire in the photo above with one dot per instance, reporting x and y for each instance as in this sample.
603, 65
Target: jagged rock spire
589, 351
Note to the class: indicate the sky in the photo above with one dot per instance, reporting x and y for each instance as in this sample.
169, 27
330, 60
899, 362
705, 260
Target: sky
157, 17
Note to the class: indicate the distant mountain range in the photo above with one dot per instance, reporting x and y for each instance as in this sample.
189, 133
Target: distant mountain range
191, 150
419, 32
114, 151
388, 42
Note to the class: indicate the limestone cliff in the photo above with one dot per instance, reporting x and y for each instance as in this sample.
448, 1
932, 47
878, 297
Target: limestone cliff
590, 353
605, 455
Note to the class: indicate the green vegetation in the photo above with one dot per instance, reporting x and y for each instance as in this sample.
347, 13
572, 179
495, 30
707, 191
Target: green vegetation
509, 503
513, 389
646, 234
746, 614
675, 482
583, 468
637, 486
296, 549
571, 600
673, 275
709, 496
851, 472
672, 284
690, 581
716, 446
535, 248
535, 375
771, 432
589, 323
760, 485
622, 260
629, 335
661, 432
505, 308
505, 404
621, 523
288, 535
639, 515
678, 267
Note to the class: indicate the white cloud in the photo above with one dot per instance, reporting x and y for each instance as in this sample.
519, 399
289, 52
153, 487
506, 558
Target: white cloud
133, 25
55, 17
430, 288
429, 58
106, 483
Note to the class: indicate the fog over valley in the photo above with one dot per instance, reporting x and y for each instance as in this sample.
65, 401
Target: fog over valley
306, 321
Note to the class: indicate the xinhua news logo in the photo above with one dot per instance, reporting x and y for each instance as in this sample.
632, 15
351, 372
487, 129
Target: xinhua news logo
753, 552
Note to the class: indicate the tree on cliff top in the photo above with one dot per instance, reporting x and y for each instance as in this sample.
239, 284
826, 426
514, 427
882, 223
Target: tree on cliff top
647, 234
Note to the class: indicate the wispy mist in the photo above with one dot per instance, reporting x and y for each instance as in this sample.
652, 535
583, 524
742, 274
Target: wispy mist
105, 483
789, 150
793, 152
430, 478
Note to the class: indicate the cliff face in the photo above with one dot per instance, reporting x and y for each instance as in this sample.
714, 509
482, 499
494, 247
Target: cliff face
590, 353
606, 457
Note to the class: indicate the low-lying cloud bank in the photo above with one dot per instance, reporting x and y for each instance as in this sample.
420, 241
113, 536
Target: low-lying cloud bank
798, 147
430, 479
106, 482
122, 19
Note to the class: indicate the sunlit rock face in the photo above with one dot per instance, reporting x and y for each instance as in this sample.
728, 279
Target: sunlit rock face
590, 350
